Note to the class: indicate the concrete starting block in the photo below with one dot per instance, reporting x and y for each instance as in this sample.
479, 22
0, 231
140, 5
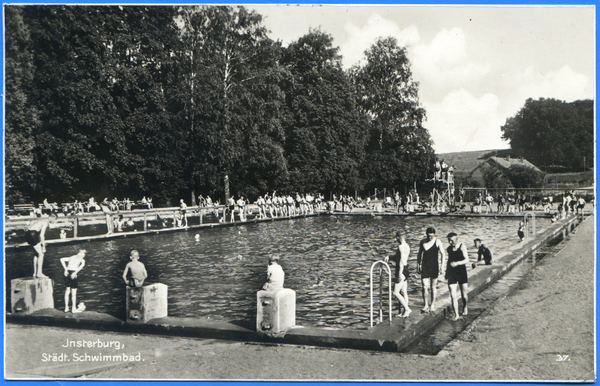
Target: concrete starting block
147, 302
29, 294
276, 310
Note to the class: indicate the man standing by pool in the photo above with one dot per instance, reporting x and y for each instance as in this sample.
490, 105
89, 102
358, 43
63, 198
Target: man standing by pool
430, 264
456, 273
35, 235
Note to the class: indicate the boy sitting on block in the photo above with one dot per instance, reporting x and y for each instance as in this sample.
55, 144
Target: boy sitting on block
137, 269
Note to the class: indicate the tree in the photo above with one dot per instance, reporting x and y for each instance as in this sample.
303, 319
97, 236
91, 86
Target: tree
493, 178
22, 116
523, 177
551, 132
325, 136
231, 99
399, 148
96, 95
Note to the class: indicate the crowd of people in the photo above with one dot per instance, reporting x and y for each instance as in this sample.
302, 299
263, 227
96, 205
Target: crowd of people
434, 260
511, 204
267, 206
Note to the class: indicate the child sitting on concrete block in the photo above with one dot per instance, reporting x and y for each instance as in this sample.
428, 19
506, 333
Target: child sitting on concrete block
275, 275
137, 269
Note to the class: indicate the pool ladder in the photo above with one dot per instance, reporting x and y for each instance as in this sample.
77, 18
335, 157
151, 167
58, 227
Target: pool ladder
389, 272
526, 222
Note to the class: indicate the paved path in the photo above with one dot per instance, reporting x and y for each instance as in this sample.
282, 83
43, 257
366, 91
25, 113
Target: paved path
550, 317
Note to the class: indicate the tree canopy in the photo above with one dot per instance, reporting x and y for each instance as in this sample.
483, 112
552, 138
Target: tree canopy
399, 149
133, 101
550, 133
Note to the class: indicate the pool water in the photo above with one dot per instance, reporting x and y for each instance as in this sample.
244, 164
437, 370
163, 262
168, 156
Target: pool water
326, 260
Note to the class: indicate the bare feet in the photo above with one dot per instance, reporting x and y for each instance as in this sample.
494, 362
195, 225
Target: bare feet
76, 311
432, 308
406, 313
456, 317
465, 311
40, 275
425, 309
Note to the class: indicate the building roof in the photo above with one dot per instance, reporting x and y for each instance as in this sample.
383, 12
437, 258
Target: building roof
464, 162
507, 162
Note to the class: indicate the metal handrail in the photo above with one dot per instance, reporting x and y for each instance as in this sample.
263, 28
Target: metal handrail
389, 271
532, 223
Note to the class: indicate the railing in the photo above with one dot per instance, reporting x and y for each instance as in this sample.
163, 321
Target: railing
143, 220
389, 272
532, 215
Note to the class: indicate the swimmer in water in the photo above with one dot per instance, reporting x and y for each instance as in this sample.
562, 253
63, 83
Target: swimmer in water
318, 284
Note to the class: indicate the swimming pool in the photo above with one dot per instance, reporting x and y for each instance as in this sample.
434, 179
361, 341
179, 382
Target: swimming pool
217, 276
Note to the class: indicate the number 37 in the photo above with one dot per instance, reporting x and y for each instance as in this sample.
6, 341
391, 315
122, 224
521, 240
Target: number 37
562, 358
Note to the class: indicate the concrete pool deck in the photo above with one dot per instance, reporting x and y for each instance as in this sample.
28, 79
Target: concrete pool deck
394, 336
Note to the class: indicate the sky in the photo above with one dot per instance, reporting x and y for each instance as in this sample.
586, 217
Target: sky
476, 65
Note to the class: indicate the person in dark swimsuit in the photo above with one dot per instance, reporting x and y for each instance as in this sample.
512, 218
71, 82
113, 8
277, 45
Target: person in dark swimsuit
430, 264
520, 231
456, 273
483, 253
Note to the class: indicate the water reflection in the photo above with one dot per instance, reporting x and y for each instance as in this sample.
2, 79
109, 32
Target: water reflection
326, 260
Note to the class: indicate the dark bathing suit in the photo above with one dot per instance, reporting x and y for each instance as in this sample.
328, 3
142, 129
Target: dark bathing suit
69, 282
485, 253
33, 237
456, 274
429, 265
404, 270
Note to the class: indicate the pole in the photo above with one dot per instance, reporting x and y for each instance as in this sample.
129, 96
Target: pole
226, 188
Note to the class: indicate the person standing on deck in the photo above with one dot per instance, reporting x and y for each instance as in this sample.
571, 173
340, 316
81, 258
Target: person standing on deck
35, 235
456, 273
430, 264
400, 259
183, 211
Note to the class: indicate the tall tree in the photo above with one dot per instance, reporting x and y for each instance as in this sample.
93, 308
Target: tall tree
550, 132
22, 116
399, 149
232, 99
87, 62
325, 133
